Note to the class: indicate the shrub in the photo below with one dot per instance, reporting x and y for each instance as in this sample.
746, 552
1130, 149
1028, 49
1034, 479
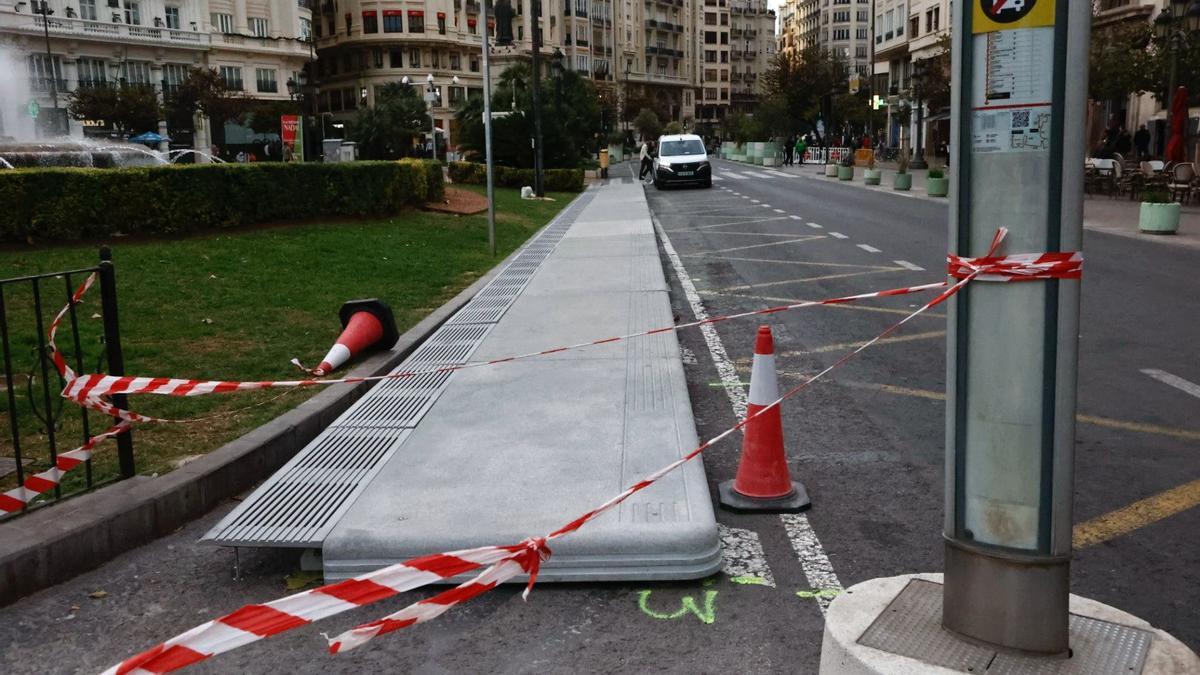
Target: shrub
64, 204
937, 173
556, 180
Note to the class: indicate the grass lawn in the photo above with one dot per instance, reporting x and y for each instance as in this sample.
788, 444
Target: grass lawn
237, 306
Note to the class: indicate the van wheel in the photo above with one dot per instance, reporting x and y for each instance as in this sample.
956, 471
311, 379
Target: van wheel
708, 183
658, 184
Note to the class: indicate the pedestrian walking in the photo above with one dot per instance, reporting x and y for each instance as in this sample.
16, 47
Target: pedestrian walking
800, 148
789, 156
647, 163
1141, 142
1124, 142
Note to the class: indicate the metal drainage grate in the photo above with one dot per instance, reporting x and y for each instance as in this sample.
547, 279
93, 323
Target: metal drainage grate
303, 501
298, 506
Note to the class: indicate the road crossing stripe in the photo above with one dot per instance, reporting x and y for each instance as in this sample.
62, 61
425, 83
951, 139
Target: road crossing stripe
779, 211
817, 568
779, 173
838, 235
869, 248
735, 176
795, 217
909, 266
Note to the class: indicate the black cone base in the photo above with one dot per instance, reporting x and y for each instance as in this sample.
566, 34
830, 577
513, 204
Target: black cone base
732, 500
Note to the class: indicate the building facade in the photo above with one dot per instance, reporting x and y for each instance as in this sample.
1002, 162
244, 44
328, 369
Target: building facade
845, 30
737, 47
636, 49
256, 46
799, 26
907, 31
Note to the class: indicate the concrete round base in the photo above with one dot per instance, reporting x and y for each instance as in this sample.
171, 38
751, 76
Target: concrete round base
853, 612
732, 500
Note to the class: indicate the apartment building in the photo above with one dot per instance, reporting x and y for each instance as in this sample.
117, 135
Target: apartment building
638, 48
256, 46
800, 25
738, 45
845, 30
907, 31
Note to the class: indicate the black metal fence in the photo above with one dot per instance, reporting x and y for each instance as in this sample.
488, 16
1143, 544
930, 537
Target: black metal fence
41, 423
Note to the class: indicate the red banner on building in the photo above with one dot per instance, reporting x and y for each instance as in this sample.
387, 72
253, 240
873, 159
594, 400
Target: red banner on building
291, 132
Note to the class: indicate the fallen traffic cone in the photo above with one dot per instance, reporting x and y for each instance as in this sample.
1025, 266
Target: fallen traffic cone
367, 324
763, 482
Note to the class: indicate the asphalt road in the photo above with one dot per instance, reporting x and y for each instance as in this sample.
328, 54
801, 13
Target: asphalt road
867, 444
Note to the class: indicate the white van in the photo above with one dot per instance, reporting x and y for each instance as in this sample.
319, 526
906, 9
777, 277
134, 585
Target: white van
681, 159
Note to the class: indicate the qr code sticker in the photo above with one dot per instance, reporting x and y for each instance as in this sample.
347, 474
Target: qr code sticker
1020, 119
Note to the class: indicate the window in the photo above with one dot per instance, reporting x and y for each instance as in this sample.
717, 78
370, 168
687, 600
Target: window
258, 26
264, 79
441, 23
377, 59
92, 72
841, 34
223, 23
136, 72
133, 13
474, 63
581, 63
393, 22
173, 75
416, 22
455, 61
370, 22
457, 94
171, 15
900, 14
414, 58
232, 77
888, 20
914, 27
87, 10
306, 29
43, 70
681, 147
841, 17
860, 33
710, 37
395, 59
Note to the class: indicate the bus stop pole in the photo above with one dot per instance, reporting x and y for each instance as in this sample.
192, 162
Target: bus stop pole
1019, 95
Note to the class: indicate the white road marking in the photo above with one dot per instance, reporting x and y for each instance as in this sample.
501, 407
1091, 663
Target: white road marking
817, 568
779, 173
814, 226
716, 348
765, 206
838, 235
795, 217
742, 556
869, 248
736, 176
717, 179
745, 196
1168, 379
750, 246
909, 266
753, 201
779, 211
757, 174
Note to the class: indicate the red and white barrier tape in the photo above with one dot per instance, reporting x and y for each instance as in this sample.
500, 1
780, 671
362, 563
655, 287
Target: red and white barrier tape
88, 390
254, 622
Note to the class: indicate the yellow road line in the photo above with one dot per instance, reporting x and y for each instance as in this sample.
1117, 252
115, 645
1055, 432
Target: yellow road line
1137, 515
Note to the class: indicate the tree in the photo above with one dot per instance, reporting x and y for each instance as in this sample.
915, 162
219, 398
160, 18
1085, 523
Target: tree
130, 108
798, 82
934, 86
264, 118
647, 123
387, 130
204, 91
571, 120
673, 127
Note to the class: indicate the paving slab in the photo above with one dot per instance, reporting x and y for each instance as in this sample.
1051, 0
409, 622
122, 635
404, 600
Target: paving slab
518, 449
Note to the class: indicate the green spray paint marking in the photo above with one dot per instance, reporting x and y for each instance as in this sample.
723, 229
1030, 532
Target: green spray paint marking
749, 580
824, 593
707, 616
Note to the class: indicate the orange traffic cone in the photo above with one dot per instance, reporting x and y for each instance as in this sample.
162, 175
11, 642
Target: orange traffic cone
367, 324
763, 482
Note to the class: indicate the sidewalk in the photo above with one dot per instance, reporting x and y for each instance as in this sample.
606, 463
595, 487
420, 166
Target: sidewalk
1117, 216
495, 454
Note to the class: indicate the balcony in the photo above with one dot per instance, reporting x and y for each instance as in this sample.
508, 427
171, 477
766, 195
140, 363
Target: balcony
735, 30
736, 54
750, 32
651, 23
117, 32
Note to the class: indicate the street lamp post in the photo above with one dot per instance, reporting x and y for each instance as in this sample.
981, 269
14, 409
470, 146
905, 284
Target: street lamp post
918, 76
45, 11
1176, 24
538, 167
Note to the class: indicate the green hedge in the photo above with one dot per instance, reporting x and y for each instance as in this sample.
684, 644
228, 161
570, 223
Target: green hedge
557, 180
64, 204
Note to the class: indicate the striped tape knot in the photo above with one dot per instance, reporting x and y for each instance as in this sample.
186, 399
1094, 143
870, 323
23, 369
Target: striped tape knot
532, 553
1017, 267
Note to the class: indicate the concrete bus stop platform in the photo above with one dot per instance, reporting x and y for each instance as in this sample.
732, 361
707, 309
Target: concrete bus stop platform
519, 449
